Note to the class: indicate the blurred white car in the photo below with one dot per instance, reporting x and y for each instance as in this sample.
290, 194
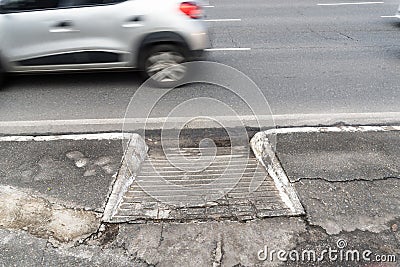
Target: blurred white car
64, 35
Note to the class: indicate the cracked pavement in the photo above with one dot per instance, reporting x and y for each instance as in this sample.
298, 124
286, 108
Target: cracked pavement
354, 178
348, 184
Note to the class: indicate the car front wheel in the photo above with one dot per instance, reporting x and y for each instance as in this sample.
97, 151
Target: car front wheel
162, 65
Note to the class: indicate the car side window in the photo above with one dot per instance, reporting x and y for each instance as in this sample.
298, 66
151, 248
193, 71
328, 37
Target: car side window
27, 5
31, 5
81, 3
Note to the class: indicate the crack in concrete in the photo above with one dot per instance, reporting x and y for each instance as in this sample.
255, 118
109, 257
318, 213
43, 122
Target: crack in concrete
105, 234
43, 254
311, 226
347, 36
161, 235
132, 257
218, 252
298, 180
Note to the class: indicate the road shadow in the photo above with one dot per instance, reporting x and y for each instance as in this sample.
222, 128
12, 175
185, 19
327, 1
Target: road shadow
81, 79
393, 23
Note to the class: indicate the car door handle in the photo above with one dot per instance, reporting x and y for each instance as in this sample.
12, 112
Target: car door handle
63, 26
134, 22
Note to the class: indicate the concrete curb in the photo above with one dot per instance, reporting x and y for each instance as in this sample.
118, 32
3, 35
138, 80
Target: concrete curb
333, 129
264, 153
75, 137
134, 155
45, 127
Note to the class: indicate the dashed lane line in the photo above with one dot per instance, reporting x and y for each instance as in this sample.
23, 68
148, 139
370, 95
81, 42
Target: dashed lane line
350, 3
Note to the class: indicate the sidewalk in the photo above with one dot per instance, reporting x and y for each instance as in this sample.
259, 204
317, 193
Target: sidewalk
53, 195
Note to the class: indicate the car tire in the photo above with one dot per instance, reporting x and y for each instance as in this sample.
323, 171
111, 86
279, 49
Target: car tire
161, 65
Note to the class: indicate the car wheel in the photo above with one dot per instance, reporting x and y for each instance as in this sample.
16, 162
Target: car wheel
162, 65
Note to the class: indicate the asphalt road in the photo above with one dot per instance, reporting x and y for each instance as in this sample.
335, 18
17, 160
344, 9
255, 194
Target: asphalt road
315, 64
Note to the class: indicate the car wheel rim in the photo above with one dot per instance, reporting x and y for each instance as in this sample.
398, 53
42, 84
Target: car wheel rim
165, 67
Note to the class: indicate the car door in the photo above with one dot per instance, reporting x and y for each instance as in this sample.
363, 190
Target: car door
71, 34
106, 28
24, 28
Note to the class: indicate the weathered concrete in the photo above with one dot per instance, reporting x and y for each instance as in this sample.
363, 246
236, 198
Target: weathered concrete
350, 206
208, 244
76, 172
362, 213
38, 216
340, 156
18, 248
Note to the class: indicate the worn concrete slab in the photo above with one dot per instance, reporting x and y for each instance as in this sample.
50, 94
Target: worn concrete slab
381, 249
340, 156
76, 172
349, 206
88, 256
205, 244
166, 244
17, 248
210, 243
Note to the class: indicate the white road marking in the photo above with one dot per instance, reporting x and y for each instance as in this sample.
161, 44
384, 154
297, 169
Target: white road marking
388, 16
221, 20
208, 6
354, 3
228, 49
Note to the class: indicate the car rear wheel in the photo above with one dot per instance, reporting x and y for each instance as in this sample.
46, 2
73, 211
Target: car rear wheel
162, 64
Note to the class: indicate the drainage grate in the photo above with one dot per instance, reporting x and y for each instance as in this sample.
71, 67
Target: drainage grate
233, 185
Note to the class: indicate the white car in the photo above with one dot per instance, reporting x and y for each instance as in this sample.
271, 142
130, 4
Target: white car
71, 35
